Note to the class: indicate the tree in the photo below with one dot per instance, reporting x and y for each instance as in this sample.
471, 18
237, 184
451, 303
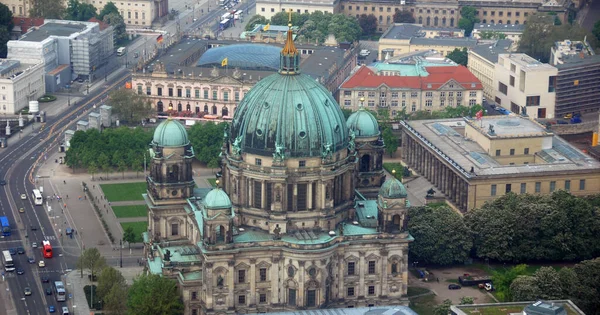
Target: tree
6, 26
390, 141
116, 21
154, 294
524, 288
77, 11
443, 309
596, 30
122, 167
108, 8
4, 38
466, 300
93, 169
460, 56
282, 18
48, 9
548, 282
468, 19
368, 24
114, 302
441, 236
104, 163
206, 138
91, 260
129, 106
254, 20
586, 293
404, 16
129, 236
503, 279
537, 39
109, 277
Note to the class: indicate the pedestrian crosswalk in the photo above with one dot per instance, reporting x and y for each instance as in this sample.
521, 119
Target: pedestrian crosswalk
50, 238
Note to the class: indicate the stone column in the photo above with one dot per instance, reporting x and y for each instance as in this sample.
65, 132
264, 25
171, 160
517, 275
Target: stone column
341, 274
263, 194
230, 285
384, 272
309, 193
301, 279
252, 300
276, 272
250, 188
362, 266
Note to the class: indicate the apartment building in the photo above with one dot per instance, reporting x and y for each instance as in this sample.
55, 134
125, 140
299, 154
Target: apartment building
525, 85
20, 83
140, 13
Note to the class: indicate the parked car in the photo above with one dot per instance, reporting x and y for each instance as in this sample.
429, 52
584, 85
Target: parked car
453, 287
27, 291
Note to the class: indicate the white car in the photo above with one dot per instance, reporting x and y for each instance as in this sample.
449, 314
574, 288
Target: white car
34, 245
41, 264
23, 196
365, 52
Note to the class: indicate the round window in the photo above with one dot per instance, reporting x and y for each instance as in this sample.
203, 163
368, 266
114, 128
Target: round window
299, 106
266, 104
259, 132
174, 192
302, 134
337, 128
312, 272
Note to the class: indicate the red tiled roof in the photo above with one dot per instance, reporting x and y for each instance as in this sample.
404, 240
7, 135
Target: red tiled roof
26, 23
103, 25
438, 76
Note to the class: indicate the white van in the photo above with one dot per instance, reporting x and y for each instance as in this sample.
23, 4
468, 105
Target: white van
65, 310
121, 51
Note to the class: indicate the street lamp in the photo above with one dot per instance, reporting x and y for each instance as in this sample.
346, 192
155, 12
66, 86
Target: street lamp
121, 253
68, 94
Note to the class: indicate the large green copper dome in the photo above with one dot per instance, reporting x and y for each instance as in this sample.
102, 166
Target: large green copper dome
363, 124
170, 133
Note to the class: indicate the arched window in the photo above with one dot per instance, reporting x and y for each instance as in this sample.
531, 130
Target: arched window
420, 20
428, 21
517, 22
214, 109
484, 20
179, 107
435, 21
224, 111
205, 109
492, 22
365, 163
451, 21
159, 107
508, 22
220, 234
500, 22
188, 107
443, 21
380, 18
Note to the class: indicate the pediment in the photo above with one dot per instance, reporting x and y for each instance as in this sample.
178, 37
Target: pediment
351, 258
264, 264
242, 266
225, 80
372, 257
451, 85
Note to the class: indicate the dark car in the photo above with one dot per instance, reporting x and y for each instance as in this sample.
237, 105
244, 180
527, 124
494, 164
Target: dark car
20, 250
31, 260
33, 228
2, 182
45, 279
12, 251
20, 271
453, 287
48, 291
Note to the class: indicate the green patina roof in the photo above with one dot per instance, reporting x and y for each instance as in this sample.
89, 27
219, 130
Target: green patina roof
367, 212
393, 188
291, 111
363, 124
416, 69
155, 266
217, 199
194, 275
170, 133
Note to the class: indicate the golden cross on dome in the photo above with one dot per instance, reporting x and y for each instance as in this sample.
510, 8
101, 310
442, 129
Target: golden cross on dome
290, 16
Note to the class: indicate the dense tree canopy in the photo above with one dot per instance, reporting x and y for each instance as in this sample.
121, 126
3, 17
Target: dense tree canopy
207, 139
525, 227
390, 140
154, 294
460, 56
130, 106
596, 30
441, 236
108, 8
468, 17
6, 26
316, 26
108, 278
104, 151
48, 9
541, 33
91, 260
404, 16
448, 112
79, 11
368, 24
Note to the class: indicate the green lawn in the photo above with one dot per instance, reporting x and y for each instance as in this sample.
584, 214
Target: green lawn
394, 166
130, 211
423, 305
124, 192
212, 182
412, 291
138, 228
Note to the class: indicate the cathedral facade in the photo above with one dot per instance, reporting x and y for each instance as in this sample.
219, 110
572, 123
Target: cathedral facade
302, 217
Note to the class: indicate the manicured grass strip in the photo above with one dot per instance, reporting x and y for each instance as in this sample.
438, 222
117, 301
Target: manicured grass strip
138, 229
394, 166
124, 191
130, 211
212, 182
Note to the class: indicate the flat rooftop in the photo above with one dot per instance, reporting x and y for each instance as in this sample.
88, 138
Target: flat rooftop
491, 52
528, 63
408, 31
515, 28
53, 29
446, 138
516, 308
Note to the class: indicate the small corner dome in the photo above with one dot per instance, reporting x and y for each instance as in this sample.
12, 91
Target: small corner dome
393, 189
170, 133
217, 199
363, 124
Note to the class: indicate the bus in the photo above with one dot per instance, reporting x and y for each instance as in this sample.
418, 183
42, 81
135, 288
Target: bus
225, 16
59, 291
7, 261
46, 249
37, 197
224, 24
5, 226
121, 51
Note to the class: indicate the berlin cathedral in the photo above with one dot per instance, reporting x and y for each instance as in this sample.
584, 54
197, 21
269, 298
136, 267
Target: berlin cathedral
302, 216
